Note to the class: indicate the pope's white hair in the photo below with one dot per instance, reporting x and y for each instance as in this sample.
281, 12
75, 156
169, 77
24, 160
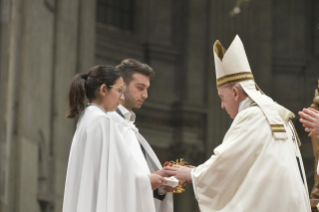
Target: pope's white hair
238, 86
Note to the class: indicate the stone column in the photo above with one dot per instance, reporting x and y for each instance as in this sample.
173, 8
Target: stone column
73, 53
5, 13
10, 67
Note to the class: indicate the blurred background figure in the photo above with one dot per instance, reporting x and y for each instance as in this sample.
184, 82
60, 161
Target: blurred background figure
44, 43
309, 117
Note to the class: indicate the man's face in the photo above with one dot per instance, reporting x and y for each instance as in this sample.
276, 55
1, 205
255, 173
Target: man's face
137, 91
229, 100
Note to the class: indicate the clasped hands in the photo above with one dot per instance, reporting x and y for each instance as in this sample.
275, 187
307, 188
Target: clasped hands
180, 172
309, 117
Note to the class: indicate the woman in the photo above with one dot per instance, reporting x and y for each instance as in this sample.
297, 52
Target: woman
101, 173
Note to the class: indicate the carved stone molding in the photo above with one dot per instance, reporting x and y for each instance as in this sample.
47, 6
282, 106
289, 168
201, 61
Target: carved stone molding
194, 154
51, 4
45, 164
289, 65
182, 128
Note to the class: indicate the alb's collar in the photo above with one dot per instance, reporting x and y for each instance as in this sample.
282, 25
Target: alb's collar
244, 104
128, 115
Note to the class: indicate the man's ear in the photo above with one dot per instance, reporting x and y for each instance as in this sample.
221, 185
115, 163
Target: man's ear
235, 93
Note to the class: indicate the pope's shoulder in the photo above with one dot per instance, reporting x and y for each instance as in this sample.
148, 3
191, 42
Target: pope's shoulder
251, 112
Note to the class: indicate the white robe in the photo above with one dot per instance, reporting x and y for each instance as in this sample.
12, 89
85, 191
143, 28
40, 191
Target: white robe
131, 135
251, 171
103, 175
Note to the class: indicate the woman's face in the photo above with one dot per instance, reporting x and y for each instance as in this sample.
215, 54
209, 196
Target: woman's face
114, 95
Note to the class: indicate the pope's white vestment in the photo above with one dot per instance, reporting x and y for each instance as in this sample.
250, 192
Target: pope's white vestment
251, 171
103, 175
125, 126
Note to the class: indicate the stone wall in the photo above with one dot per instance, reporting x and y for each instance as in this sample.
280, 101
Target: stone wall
295, 64
44, 43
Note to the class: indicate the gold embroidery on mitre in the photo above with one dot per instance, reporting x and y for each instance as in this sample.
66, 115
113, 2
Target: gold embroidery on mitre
234, 78
277, 128
219, 50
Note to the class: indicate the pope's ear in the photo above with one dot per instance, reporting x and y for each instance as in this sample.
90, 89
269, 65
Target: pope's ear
235, 92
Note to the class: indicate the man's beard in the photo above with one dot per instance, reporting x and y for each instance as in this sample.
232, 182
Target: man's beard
129, 100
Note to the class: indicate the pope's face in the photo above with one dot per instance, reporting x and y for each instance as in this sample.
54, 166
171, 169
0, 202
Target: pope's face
229, 101
136, 92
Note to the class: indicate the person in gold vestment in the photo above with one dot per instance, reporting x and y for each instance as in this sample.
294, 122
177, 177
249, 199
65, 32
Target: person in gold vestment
258, 166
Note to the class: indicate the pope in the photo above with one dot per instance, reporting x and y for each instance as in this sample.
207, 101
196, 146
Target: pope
258, 165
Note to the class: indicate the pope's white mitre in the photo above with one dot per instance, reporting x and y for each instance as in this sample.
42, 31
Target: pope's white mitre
232, 67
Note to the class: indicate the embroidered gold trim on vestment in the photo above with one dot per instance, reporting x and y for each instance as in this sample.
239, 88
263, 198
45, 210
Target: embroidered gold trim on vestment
251, 105
234, 78
277, 128
298, 139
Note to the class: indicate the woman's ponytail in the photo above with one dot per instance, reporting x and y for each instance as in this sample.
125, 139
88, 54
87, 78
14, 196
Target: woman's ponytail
76, 96
97, 76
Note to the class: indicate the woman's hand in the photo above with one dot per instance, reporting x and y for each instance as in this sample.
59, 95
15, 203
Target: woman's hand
157, 181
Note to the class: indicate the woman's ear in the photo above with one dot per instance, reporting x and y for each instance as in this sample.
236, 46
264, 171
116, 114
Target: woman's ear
103, 90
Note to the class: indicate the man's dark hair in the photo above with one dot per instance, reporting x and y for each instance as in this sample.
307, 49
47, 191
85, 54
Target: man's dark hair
129, 66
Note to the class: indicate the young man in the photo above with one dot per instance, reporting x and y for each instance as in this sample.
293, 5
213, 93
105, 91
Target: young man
258, 166
137, 78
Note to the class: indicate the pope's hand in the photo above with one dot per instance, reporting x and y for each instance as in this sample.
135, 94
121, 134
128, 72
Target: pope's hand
180, 172
161, 172
156, 180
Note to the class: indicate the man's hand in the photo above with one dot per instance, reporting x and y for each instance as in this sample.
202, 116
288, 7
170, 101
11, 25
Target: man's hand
180, 172
310, 119
156, 181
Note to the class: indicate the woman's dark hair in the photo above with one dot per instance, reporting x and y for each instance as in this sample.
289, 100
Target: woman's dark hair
129, 66
93, 80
